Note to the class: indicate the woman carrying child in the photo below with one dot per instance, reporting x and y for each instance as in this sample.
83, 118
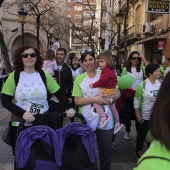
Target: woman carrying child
107, 84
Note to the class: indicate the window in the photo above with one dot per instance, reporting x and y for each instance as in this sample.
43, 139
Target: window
68, 8
78, 8
154, 16
138, 20
89, 7
68, 0
77, 16
78, 25
78, 0
88, 14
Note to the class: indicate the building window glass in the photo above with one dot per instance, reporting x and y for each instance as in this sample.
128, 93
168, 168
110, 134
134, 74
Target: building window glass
78, 8
68, 8
77, 16
138, 24
154, 16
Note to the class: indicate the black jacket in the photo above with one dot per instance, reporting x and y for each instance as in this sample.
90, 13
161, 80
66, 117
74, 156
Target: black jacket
64, 79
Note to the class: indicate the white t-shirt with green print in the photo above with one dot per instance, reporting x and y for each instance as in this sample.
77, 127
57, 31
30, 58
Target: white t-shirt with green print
30, 89
145, 97
81, 89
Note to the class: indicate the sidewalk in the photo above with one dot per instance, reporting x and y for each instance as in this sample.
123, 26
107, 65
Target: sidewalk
122, 159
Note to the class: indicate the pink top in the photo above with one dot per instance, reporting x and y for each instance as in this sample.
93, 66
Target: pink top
50, 66
108, 79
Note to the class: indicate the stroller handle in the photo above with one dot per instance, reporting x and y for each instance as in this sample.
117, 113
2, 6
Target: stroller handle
80, 116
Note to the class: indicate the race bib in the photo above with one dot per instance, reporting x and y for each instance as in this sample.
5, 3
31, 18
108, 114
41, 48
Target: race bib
104, 107
35, 108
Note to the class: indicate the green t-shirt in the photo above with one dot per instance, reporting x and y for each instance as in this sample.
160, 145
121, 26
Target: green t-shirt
157, 157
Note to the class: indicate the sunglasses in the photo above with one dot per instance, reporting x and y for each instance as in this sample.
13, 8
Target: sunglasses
25, 55
88, 50
135, 58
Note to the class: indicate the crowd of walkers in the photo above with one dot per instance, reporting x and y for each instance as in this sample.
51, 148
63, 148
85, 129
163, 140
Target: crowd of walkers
86, 84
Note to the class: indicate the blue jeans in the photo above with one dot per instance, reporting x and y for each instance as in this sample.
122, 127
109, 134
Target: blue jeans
104, 139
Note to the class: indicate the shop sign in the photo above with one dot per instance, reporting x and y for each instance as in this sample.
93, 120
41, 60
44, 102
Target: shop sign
158, 6
160, 44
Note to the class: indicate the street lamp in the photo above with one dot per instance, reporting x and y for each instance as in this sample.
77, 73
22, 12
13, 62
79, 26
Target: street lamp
101, 42
119, 21
50, 39
22, 19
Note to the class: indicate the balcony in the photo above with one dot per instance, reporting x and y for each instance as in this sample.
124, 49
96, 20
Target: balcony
133, 34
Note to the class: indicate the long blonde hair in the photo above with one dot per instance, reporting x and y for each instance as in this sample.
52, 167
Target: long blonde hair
106, 55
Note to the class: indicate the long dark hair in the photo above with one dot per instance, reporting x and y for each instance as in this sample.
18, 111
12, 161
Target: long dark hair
128, 64
160, 116
18, 64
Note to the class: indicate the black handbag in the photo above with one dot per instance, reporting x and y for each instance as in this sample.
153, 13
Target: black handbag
125, 112
6, 136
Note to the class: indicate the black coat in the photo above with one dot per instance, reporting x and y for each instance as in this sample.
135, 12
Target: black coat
64, 79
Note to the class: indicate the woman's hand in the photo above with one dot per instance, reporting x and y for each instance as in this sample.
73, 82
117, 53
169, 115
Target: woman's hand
91, 85
70, 112
139, 119
143, 59
110, 100
28, 117
101, 99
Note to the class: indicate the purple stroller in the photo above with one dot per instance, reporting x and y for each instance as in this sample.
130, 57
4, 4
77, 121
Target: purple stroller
37, 148
78, 145
72, 147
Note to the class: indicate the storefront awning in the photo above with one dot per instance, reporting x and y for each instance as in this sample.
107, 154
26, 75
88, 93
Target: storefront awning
151, 39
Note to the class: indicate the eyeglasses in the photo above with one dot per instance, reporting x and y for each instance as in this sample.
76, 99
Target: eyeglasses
88, 50
25, 55
135, 58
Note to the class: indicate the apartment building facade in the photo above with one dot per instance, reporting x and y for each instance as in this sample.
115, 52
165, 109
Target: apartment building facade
82, 24
146, 32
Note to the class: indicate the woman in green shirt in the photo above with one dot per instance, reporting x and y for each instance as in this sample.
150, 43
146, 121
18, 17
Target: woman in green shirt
158, 154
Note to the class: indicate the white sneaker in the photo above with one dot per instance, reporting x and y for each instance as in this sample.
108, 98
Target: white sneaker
117, 127
127, 136
103, 121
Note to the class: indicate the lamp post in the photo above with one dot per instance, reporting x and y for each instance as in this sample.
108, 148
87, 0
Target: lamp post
100, 41
50, 39
22, 19
119, 21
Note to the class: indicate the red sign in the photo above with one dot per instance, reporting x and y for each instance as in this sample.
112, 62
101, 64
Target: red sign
160, 44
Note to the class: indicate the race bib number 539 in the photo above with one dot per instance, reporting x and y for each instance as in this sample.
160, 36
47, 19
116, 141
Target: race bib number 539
35, 108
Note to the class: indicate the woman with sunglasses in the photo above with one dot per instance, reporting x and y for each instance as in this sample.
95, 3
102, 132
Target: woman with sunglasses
30, 94
84, 97
134, 68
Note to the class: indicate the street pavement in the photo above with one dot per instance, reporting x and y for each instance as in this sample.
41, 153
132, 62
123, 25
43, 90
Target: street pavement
122, 158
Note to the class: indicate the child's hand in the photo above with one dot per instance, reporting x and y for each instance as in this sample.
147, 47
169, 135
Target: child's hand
91, 85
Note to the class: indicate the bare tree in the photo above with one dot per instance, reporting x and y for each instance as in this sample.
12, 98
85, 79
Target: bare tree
5, 54
35, 8
88, 29
4, 49
55, 25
